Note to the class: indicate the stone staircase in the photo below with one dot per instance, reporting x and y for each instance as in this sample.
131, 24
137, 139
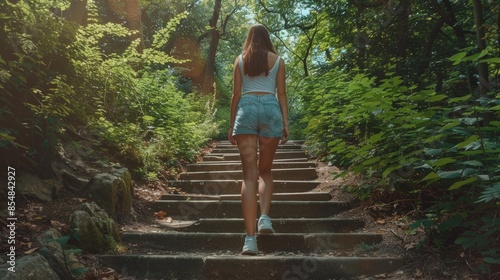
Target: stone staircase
205, 237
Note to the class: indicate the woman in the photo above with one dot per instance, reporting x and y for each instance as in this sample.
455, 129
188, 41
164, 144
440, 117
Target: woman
259, 119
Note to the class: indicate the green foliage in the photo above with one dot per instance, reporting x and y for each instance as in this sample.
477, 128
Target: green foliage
419, 141
142, 116
99, 82
162, 124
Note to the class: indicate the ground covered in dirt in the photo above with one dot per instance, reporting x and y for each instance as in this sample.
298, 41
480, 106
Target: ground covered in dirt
423, 262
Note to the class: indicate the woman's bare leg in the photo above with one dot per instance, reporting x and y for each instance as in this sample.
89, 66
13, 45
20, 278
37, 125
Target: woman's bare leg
247, 145
267, 149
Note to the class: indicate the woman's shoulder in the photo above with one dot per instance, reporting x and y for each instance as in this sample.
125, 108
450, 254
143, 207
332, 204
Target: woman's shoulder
272, 55
273, 58
237, 59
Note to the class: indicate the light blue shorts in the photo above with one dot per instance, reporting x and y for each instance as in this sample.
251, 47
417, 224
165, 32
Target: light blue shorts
259, 115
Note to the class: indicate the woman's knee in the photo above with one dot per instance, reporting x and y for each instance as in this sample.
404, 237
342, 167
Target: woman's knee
264, 170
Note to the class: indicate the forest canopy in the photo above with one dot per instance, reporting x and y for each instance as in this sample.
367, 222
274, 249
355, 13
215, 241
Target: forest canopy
404, 93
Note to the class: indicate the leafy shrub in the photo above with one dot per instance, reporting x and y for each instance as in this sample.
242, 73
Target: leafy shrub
436, 147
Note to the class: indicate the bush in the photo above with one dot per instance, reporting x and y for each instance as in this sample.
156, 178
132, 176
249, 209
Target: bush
427, 144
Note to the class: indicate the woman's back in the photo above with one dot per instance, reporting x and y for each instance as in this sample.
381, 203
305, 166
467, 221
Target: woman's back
261, 83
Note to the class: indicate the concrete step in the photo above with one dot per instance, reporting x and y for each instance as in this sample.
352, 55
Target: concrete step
216, 187
220, 160
304, 196
278, 174
289, 145
232, 209
214, 166
280, 225
248, 267
278, 155
236, 151
206, 242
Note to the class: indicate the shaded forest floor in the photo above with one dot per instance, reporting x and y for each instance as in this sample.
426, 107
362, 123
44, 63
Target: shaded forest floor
423, 261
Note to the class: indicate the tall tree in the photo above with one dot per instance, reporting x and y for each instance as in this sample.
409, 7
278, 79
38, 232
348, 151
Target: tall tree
481, 46
127, 13
208, 78
215, 33
134, 22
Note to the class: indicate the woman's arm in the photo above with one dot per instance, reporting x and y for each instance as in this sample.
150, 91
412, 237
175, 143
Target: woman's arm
235, 98
281, 88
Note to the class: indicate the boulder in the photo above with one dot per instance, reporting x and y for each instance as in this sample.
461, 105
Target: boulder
30, 185
53, 245
30, 267
97, 232
112, 191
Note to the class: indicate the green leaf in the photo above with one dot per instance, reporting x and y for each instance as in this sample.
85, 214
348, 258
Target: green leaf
472, 163
435, 138
431, 176
457, 185
450, 174
433, 152
492, 260
443, 161
376, 137
470, 121
148, 119
424, 166
460, 99
450, 125
490, 60
390, 169
484, 177
371, 161
490, 193
468, 141
457, 58
435, 98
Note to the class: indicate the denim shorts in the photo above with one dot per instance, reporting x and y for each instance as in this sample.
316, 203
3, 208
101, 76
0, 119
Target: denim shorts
259, 115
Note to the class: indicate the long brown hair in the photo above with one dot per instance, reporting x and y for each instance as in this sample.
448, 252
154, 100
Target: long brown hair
255, 50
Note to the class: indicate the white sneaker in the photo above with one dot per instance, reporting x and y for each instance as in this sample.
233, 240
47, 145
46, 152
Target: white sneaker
250, 246
264, 225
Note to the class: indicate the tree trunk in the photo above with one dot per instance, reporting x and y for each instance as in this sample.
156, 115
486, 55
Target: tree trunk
134, 21
484, 86
481, 45
208, 76
75, 16
427, 50
77, 12
449, 18
402, 22
361, 40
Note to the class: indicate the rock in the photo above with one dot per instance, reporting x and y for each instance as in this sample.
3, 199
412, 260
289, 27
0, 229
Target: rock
60, 261
57, 264
49, 239
97, 232
106, 225
30, 185
73, 181
112, 191
31, 267
89, 236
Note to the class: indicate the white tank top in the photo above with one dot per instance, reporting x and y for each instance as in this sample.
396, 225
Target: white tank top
261, 83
